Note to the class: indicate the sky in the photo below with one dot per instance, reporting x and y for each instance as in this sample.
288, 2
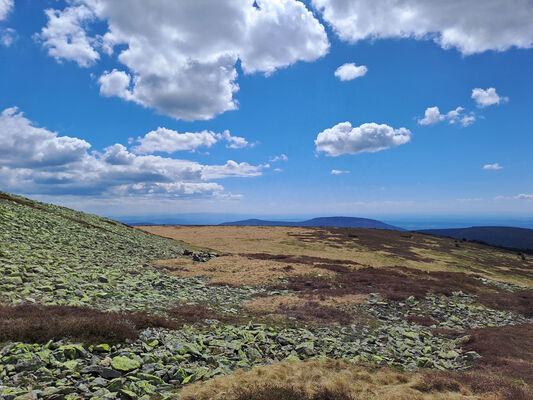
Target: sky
389, 109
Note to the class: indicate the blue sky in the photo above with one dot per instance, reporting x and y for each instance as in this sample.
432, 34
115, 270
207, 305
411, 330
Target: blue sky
85, 78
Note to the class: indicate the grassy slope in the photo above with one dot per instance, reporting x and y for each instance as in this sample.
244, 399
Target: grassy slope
55, 256
367, 247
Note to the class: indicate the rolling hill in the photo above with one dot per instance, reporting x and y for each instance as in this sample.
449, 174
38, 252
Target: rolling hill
514, 238
340, 222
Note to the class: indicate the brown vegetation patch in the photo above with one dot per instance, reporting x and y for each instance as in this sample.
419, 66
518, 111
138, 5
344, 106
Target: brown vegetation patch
334, 380
191, 313
396, 283
423, 248
399, 283
506, 351
36, 323
324, 310
311, 311
519, 301
239, 270
327, 263
421, 320
488, 386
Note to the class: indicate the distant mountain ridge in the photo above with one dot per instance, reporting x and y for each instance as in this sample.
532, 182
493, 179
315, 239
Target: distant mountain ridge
341, 222
503, 236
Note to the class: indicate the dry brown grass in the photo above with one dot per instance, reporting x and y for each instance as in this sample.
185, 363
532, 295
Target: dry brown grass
339, 380
367, 247
239, 270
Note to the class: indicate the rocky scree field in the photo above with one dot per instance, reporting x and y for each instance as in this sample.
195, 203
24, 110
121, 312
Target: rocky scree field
94, 309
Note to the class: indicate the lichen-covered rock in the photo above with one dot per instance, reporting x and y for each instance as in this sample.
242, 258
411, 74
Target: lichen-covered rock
124, 364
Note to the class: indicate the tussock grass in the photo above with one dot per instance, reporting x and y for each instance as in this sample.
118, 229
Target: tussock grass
340, 380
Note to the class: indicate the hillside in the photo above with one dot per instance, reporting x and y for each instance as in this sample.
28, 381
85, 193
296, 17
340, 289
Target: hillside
513, 238
91, 308
342, 222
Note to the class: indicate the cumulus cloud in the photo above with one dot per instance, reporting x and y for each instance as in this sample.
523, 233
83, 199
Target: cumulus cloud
338, 172
470, 26
369, 137
487, 97
65, 36
493, 167
38, 161
281, 157
524, 196
169, 141
433, 116
23, 144
349, 71
115, 83
5, 7
164, 140
179, 59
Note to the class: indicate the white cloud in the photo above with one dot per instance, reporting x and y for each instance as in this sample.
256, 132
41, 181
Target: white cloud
234, 142
169, 141
487, 97
281, 157
338, 172
467, 120
370, 137
115, 83
180, 59
470, 26
521, 196
23, 144
349, 71
232, 169
5, 7
278, 170
433, 116
37, 161
7, 36
493, 167
65, 38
